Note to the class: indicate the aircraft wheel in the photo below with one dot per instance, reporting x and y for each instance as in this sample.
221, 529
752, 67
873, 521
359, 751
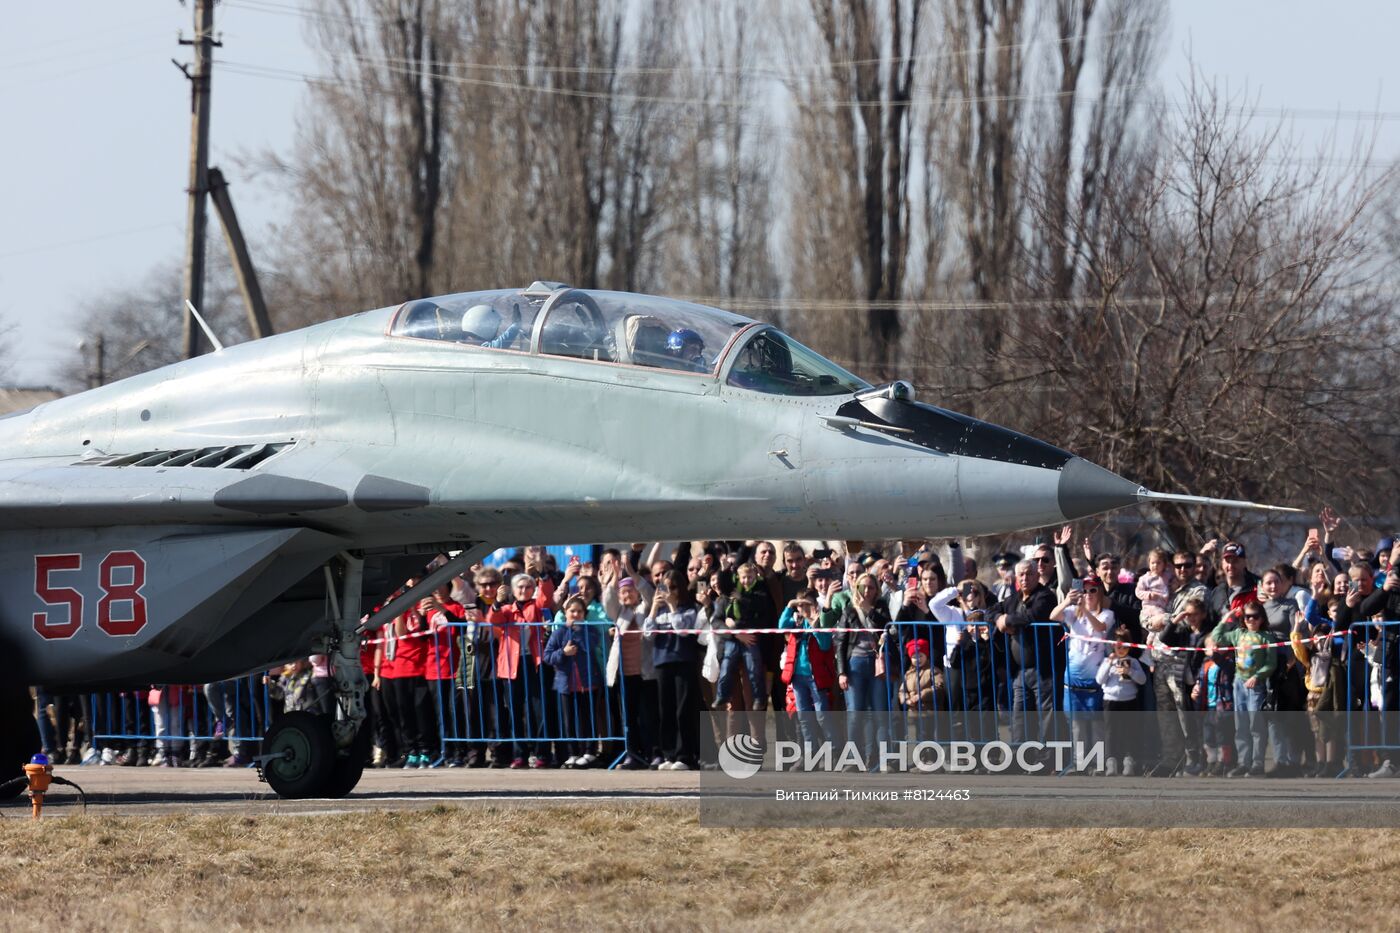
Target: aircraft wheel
19, 736
349, 765
306, 755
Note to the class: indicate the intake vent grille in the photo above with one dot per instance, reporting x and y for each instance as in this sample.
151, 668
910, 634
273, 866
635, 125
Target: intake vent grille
236, 457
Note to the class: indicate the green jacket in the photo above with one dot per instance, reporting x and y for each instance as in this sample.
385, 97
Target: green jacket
1252, 659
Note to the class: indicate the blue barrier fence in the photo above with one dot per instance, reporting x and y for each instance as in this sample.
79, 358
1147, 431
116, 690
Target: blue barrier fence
985, 687
1373, 666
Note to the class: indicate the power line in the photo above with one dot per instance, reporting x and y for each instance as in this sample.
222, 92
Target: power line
1031, 303
1250, 111
646, 98
67, 70
409, 67
98, 44
267, 6
91, 239
762, 128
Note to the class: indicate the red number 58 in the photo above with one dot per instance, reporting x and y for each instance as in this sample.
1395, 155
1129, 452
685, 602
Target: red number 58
120, 611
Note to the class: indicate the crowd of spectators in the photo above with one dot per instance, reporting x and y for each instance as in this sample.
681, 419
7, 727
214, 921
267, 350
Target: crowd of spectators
532, 665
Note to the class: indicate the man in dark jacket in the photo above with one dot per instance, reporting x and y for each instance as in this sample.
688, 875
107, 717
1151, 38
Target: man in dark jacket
1238, 587
1122, 597
1032, 652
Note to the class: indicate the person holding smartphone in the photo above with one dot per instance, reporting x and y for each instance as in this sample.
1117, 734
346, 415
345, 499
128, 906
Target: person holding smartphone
862, 658
671, 626
1086, 617
517, 620
1121, 676
916, 618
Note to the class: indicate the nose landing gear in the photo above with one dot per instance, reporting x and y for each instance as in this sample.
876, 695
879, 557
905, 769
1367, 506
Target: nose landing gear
298, 755
309, 754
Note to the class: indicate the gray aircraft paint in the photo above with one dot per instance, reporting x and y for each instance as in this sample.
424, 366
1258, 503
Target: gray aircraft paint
403, 446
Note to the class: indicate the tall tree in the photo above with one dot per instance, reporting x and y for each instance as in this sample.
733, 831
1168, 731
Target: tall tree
858, 120
371, 158
981, 158
1229, 338
1118, 40
720, 206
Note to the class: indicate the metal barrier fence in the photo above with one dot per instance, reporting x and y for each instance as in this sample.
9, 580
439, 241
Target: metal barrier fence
559, 709
1372, 692
986, 687
177, 720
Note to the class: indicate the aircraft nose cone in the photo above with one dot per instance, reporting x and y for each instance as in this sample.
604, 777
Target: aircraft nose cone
1088, 489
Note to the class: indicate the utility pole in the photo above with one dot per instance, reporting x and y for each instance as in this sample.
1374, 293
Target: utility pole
259, 325
204, 45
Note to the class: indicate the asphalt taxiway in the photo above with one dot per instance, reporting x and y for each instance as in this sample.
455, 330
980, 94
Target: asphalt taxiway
160, 791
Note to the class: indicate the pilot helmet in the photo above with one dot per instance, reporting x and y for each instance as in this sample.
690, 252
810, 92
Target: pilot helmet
481, 322
682, 338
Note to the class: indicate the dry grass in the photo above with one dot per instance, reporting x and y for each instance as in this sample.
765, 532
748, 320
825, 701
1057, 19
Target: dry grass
654, 866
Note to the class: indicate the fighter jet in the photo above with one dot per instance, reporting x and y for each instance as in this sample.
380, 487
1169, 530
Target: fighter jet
245, 507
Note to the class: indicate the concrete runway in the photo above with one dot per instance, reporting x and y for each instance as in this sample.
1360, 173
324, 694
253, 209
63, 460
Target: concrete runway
1074, 800
121, 791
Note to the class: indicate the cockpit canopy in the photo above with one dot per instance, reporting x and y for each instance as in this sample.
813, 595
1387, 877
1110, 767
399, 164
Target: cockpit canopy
627, 329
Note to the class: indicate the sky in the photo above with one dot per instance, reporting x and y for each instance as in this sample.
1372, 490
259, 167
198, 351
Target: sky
95, 124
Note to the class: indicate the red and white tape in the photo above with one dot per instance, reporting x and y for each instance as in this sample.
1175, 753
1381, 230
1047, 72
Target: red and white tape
1201, 650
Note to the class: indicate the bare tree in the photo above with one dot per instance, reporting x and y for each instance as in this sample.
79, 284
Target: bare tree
719, 204
858, 124
368, 171
1075, 154
981, 157
1228, 338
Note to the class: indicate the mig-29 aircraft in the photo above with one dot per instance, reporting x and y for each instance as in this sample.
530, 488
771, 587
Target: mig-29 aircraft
235, 510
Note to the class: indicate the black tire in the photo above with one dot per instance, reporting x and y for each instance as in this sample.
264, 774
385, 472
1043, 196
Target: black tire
19, 737
309, 757
349, 765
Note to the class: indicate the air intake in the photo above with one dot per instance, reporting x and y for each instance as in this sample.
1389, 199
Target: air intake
234, 457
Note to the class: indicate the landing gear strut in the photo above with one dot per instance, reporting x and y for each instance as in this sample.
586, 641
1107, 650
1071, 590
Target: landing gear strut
312, 755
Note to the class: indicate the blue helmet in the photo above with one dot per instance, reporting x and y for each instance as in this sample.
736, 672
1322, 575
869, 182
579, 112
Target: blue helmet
679, 338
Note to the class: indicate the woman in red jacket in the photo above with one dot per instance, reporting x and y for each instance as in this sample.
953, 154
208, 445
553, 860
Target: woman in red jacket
388, 668
517, 620
415, 707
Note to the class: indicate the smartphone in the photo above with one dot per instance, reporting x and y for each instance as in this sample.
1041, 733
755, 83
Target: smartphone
912, 583
821, 553
1076, 585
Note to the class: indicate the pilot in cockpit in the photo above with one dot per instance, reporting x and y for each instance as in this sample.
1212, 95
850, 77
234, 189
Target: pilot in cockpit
688, 348
481, 326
